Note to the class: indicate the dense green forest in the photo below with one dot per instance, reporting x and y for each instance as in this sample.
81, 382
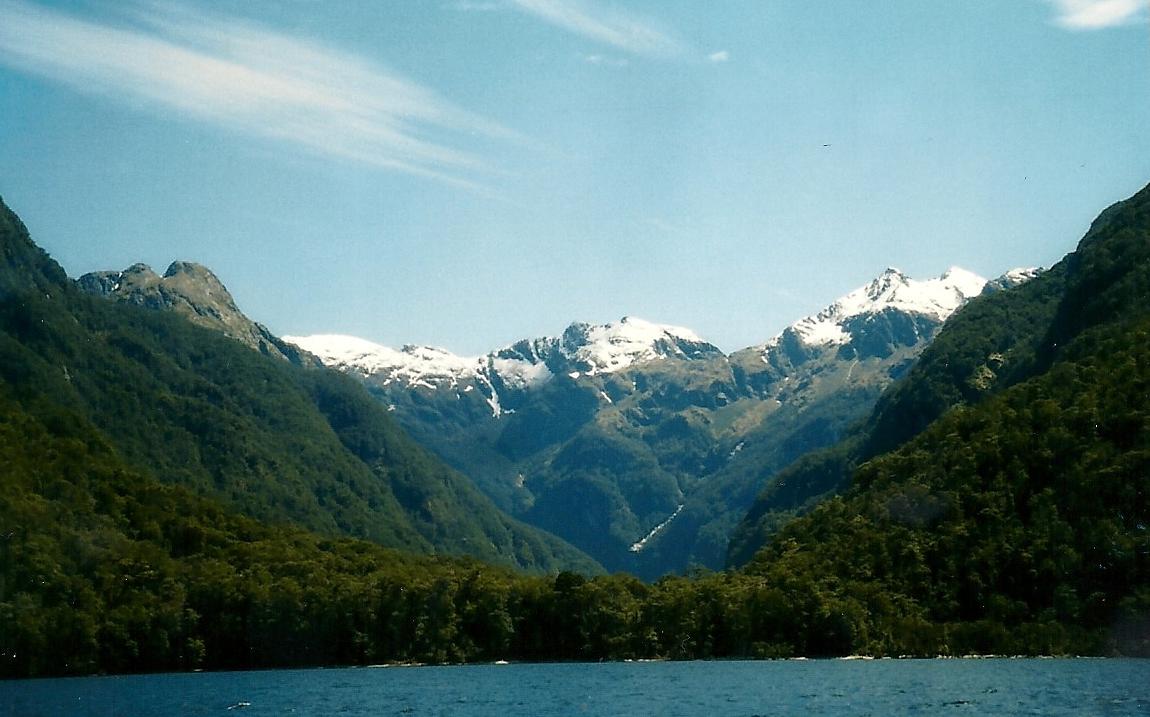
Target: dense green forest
105, 570
997, 341
1012, 519
277, 442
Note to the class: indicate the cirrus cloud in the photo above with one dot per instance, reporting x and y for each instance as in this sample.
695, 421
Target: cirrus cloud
1097, 14
253, 80
623, 31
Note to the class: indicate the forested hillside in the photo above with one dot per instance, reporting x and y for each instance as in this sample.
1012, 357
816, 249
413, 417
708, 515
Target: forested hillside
1015, 522
1022, 513
994, 342
282, 444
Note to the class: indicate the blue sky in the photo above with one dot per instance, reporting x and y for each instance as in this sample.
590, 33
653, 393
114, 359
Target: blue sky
465, 173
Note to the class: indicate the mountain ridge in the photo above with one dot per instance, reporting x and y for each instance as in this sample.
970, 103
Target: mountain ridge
1000, 340
604, 433
193, 291
590, 349
638, 440
997, 500
189, 405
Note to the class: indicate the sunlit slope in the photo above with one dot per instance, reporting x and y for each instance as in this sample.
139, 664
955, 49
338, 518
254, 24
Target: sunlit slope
1025, 503
279, 443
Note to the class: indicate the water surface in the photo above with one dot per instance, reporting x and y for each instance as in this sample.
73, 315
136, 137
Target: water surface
814, 687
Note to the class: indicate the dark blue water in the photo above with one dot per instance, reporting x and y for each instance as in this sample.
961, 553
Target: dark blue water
816, 687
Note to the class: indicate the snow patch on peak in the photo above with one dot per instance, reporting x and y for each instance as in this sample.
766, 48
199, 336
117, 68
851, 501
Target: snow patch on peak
607, 348
1022, 274
338, 348
633, 326
416, 365
518, 373
938, 298
426, 366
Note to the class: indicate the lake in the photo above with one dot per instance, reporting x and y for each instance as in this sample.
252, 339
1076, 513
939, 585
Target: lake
813, 687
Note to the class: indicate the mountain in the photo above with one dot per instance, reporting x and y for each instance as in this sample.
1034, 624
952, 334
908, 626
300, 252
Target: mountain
998, 497
641, 443
502, 376
1002, 509
822, 373
24, 267
189, 406
989, 345
194, 292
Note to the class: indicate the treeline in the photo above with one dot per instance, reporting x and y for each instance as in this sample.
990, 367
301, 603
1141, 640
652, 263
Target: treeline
1022, 524
107, 570
192, 407
1017, 523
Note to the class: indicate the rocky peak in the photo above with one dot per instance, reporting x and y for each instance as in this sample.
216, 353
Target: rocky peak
615, 346
1012, 278
194, 292
935, 299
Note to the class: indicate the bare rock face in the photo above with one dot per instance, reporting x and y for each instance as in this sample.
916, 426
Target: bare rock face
194, 292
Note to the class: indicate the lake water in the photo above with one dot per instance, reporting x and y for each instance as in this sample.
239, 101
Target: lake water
815, 687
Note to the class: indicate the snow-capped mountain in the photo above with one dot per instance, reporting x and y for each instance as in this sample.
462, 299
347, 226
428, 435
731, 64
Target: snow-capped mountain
616, 346
892, 290
582, 350
638, 442
423, 366
1013, 278
641, 443
588, 350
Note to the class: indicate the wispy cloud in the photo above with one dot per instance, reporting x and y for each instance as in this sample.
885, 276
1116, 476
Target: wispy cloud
597, 59
252, 80
1098, 14
623, 31
720, 56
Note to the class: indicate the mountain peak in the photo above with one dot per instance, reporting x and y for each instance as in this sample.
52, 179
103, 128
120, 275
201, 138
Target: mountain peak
1013, 278
191, 290
936, 298
583, 349
139, 268
606, 348
412, 364
190, 268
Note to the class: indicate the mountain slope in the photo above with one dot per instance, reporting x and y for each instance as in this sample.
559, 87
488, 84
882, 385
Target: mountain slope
1018, 517
194, 292
986, 346
104, 569
641, 443
192, 407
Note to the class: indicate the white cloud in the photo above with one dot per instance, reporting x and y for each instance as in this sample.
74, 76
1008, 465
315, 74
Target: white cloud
596, 59
720, 56
1097, 14
253, 80
625, 32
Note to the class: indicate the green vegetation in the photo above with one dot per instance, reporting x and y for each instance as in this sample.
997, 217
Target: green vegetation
1017, 520
274, 441
1014, 522
1019, 525
993, 343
